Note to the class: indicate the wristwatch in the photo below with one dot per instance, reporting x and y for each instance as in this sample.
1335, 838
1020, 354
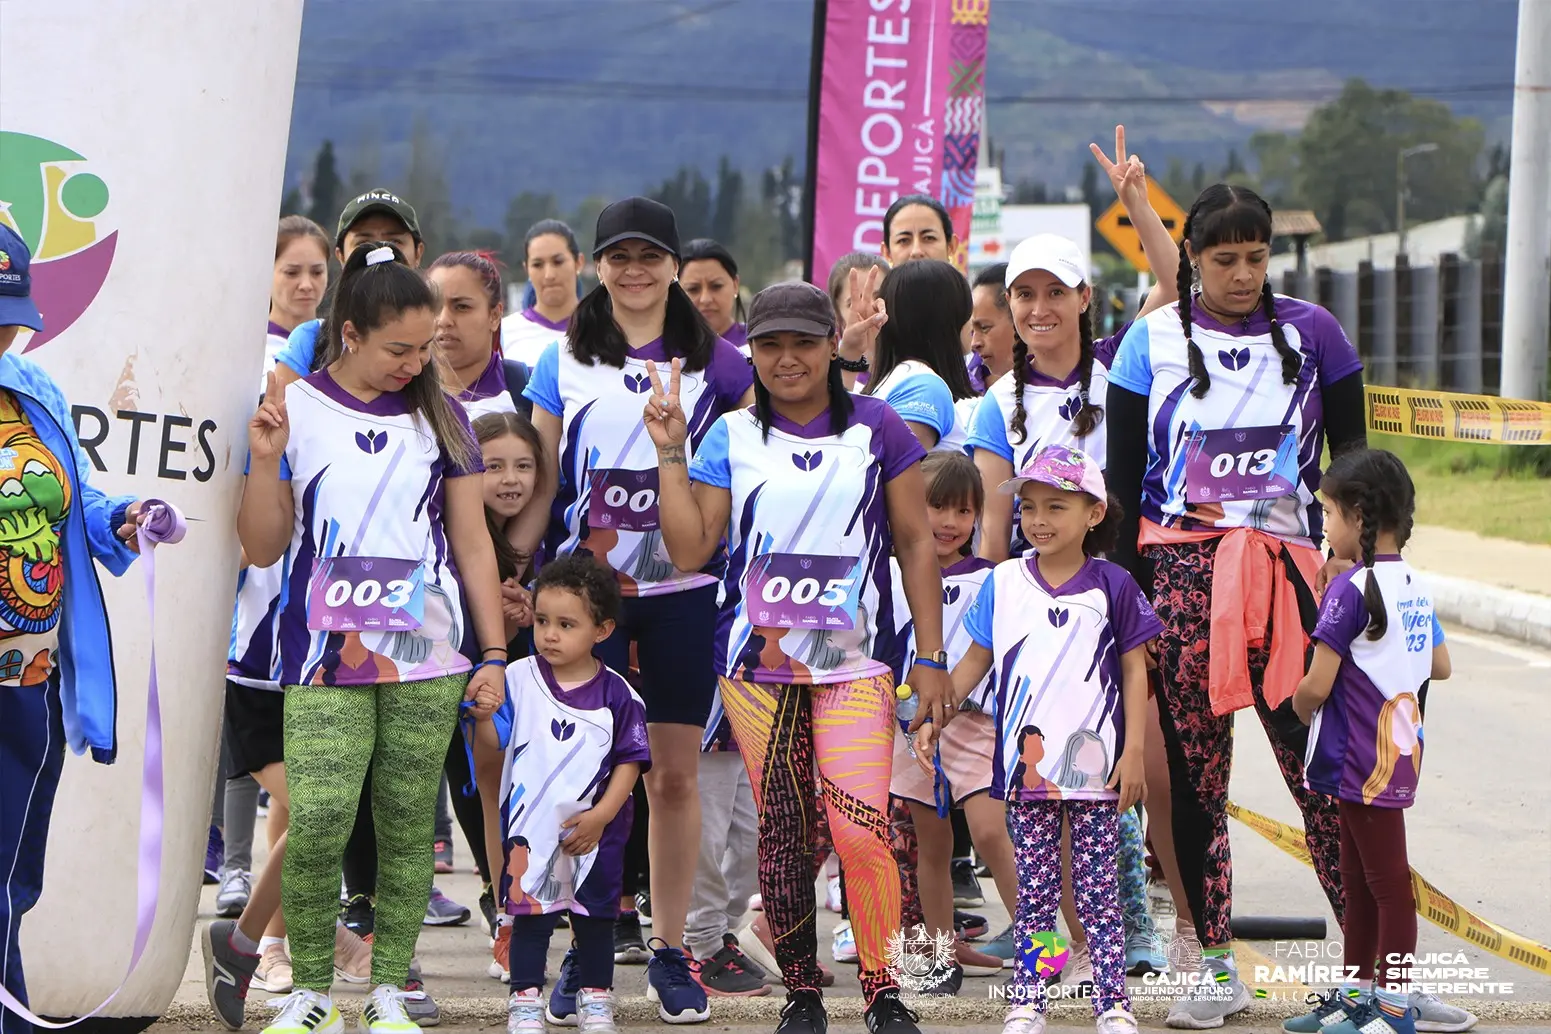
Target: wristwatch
937, 660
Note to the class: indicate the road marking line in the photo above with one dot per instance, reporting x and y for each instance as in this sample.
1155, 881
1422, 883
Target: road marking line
1531, 657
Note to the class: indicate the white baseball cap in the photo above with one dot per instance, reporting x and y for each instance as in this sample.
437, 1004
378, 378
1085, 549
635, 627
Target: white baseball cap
1048, 251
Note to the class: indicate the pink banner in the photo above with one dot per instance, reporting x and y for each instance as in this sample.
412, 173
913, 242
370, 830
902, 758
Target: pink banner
887, 73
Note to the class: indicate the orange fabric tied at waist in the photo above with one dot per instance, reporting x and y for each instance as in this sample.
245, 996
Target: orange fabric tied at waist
1251, 591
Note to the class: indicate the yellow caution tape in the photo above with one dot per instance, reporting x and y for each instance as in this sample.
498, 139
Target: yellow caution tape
1447, 417
1432, 904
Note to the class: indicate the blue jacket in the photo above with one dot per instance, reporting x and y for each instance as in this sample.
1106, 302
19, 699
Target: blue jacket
87, 686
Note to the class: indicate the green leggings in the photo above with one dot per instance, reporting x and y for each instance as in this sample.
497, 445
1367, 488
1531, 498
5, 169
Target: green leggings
331, 733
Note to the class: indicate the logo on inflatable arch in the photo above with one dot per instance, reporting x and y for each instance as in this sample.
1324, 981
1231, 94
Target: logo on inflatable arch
55, 203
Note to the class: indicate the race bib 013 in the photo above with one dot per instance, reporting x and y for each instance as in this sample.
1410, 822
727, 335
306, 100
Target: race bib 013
365, 594
1230, 464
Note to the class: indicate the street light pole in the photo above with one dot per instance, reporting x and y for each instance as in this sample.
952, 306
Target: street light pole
1526, 322
1400, 195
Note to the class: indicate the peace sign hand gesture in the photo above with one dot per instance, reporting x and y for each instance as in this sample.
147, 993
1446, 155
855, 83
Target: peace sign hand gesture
270, 428
1126, 173
663, 416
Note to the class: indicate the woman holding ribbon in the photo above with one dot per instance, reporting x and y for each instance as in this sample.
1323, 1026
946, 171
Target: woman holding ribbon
366, 470
56, 671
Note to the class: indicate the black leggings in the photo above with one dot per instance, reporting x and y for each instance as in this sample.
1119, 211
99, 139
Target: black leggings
638, 866
594, 937
360, 862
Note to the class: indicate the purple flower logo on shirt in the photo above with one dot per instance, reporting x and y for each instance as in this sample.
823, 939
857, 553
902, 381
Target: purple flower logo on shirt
561, 730
371, 442
1233, 358
950, 594
807, 460
1058, 617
1070, 408
638, 382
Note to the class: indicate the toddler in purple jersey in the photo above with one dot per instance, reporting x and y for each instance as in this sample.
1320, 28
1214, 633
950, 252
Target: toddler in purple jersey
573, 735
1377, 645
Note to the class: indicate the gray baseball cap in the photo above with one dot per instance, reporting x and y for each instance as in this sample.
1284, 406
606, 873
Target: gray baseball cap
798, 306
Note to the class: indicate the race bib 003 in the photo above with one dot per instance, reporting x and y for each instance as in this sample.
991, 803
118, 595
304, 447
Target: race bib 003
795, 590
365, 594
1231, 464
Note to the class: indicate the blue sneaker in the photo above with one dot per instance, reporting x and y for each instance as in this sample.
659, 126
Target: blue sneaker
215, 856
562, 1000
1368, 1018
1327, 1010
1142, 954
669, 983
1001, 946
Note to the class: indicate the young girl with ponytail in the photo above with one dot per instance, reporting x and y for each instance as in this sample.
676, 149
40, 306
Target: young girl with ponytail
1376, 646
1219, 408
1054, 394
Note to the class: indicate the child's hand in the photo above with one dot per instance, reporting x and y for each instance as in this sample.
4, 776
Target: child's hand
585, 828
487, 688
1130, 777
926, 746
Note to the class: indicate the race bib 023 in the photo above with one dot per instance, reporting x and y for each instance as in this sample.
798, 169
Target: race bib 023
795, 590
1234, 463
365, 594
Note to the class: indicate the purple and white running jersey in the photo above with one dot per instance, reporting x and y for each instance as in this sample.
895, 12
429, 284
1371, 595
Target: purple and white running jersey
807, 597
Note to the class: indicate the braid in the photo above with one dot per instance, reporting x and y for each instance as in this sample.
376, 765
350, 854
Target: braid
1020, 362
1090, 414
1185, 282
1292, 362
1373, 597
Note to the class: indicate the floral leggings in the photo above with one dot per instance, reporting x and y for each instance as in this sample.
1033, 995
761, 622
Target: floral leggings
1200, 747
848, 729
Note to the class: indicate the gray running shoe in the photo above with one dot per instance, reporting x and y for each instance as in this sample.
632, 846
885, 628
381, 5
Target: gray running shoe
1435, 1015
232, 897
1219, 995
227, 973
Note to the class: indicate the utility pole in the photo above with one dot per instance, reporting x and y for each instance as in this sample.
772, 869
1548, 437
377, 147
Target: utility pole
1526, 309
1400, 196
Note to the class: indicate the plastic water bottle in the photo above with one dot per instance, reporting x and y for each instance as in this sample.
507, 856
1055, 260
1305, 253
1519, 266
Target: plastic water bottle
905, 711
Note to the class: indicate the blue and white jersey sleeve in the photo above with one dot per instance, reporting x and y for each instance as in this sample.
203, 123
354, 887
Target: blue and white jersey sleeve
978, 622
915, 391
988, 430
710, 465
1438, 639
1132, 369
301, 348
543, 388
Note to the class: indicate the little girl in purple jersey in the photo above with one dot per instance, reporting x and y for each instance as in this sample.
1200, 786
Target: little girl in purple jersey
1377, 645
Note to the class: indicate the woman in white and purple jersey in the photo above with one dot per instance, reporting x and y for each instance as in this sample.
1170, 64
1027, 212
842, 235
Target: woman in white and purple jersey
599, 498
553, 261
810, 488
1219, 410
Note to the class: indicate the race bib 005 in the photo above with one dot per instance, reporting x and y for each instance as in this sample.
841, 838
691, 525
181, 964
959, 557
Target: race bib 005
795, 590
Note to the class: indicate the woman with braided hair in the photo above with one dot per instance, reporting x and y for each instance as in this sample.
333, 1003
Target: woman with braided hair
1055, 392
1219, 408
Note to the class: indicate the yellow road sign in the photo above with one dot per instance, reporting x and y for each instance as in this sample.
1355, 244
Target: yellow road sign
1115, 226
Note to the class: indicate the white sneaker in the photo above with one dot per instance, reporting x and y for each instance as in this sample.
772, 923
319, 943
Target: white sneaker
1211, 1001
1117, 1021
844, 946
1025, 1019
525, 1012
1078, 972
832, 894
595, 1011
384, 1011
305, 1012
274, 970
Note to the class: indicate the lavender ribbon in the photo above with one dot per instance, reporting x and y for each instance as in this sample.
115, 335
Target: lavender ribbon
159, 522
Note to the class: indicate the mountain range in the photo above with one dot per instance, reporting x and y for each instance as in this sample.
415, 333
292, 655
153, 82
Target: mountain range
582, 98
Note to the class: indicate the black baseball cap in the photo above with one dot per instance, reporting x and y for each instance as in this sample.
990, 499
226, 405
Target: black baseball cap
799, 307
17, 308
638, 219
376, 201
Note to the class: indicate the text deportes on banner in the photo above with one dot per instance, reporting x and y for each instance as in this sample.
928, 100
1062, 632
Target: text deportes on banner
1450, 417
1432, 904
881, 108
